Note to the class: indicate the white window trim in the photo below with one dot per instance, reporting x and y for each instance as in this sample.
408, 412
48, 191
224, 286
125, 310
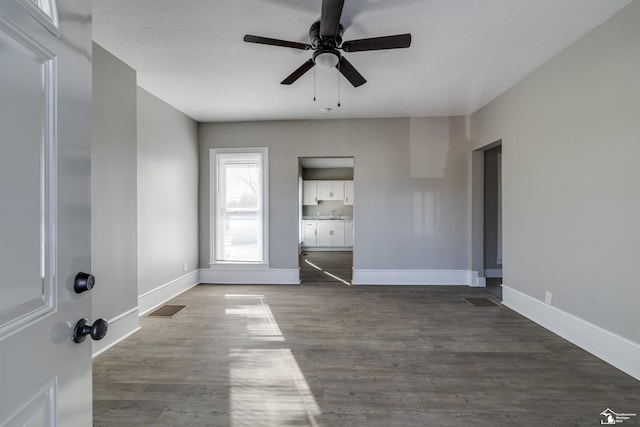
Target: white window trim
264, 152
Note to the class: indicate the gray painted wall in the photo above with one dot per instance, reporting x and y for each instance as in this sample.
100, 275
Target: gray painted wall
570, 180
167, 192
113, 186
410, 177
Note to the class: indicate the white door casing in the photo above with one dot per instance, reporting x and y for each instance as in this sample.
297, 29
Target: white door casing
45, 172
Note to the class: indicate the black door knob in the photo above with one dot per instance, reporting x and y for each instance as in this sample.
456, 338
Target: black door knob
97, 331
83, 282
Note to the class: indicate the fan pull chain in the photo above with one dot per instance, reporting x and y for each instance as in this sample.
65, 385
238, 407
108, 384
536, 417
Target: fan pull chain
338, 84
314, 84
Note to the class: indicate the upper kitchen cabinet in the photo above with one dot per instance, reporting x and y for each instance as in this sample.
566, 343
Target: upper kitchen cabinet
348, 192
309, 193
330, 190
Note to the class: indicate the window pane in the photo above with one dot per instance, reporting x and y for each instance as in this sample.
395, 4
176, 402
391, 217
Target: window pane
241, 237
241, 186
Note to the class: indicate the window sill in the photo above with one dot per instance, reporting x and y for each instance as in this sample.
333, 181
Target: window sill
238, 266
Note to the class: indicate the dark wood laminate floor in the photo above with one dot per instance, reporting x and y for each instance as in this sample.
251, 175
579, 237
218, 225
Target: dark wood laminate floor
320, 266
325, 354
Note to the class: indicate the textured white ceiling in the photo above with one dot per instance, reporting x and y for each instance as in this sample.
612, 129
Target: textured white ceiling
464, 53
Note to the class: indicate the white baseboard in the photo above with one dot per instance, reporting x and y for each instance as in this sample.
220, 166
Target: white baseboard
250, 276
414, 277
618, 351
120, 327
155, 297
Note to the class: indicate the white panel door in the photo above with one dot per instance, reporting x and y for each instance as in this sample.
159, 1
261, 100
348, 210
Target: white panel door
45, 172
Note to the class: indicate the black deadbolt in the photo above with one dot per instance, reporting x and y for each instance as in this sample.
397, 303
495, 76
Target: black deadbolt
83, 282
97, 331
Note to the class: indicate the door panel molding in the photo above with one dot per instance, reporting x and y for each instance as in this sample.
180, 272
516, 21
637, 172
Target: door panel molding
41, 410
25, 311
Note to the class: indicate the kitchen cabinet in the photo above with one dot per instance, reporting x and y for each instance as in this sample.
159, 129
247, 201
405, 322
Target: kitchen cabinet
330, 190
309, 193
348, 192
330, 232
309, 233
348, 233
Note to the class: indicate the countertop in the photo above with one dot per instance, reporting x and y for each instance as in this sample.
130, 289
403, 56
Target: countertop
320, 218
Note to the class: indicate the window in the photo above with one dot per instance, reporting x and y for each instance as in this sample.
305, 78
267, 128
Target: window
239, 205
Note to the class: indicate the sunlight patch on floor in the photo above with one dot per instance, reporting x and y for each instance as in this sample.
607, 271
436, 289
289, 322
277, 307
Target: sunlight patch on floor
258, 318
337, 278
312, 264
327, 273
269, 389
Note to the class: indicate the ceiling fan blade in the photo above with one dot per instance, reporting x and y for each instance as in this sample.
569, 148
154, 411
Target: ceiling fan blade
298, 73
378, 43
275, 42
330, 18
350, 73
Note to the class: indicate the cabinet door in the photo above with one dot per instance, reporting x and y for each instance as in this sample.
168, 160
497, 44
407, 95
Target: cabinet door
337, 190
348, 233
309, 231
330, 190
330, 233
348, 192
337, 237
324, 190
324, 233
309, 193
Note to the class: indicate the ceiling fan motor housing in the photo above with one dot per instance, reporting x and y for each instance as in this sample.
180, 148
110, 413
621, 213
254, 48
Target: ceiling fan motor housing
319, 42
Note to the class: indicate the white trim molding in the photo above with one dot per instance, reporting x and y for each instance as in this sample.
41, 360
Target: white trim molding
120, 327
158, 296
245, 275
618, 351
415, 277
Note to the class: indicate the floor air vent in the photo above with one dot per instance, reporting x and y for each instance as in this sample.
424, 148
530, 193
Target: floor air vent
481, 302
167, 310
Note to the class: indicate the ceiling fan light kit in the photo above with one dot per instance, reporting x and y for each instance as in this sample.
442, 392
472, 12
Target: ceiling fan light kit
326, 39
326, 58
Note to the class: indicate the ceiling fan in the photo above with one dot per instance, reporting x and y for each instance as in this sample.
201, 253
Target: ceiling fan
326, 41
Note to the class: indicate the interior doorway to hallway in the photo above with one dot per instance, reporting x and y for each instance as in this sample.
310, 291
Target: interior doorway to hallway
326, 219
492, 224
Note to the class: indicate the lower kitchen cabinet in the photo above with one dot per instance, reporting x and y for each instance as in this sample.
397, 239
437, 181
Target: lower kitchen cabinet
309, 230
348, 233
330, 233
327, 233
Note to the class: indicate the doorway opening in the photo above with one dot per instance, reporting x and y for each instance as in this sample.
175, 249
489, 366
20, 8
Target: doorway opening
326, 219
487, 216
493, 220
